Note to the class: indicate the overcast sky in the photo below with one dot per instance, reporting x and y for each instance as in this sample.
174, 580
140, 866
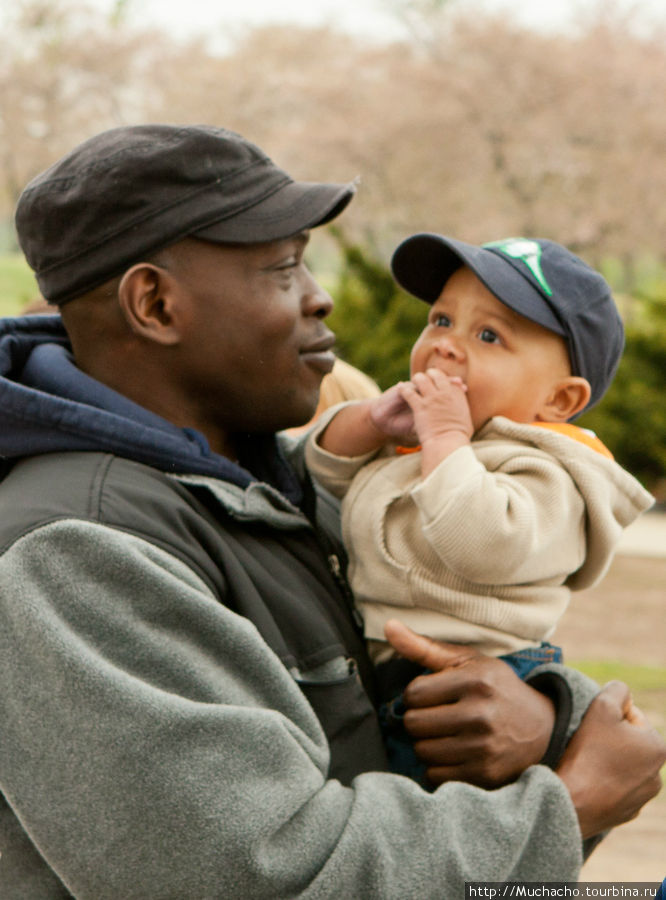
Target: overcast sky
187, 17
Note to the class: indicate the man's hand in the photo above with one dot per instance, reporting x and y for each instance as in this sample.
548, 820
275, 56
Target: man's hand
611, 766
472, 719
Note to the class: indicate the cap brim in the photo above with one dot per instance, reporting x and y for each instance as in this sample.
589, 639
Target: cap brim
294, 207
423, 264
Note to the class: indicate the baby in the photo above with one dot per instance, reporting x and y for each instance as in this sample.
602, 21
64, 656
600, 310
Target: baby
480, 533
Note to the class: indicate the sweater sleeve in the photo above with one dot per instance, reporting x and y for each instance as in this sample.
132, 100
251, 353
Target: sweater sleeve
154, 746
523, 522
335, 473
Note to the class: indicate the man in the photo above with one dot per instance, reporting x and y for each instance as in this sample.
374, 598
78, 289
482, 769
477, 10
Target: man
187, 705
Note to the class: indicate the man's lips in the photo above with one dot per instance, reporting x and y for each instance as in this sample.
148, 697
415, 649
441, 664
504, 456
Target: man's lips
319, 354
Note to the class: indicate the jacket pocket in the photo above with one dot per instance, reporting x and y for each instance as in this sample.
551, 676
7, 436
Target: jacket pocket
349, 721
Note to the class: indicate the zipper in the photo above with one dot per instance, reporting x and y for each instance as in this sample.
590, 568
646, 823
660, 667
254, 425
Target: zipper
336, 570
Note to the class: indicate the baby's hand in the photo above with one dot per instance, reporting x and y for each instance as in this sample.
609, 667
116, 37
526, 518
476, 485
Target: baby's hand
439, 405
392, 416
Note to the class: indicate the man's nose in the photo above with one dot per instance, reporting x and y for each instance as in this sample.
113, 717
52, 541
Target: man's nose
316, 301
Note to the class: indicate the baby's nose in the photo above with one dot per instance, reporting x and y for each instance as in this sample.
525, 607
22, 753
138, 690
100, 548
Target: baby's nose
451, 347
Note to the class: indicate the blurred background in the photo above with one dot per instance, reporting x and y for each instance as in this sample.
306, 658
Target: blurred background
480, 119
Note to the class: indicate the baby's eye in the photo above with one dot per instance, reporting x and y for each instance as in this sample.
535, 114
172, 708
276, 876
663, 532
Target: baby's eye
488, 336
442, 321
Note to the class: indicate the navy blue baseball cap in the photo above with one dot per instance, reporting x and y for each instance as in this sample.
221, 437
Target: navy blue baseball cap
131, 191
536, 278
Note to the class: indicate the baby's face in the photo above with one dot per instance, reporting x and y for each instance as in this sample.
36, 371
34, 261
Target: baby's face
509, 364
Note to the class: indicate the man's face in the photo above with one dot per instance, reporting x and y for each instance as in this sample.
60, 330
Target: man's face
508, 363
256, 345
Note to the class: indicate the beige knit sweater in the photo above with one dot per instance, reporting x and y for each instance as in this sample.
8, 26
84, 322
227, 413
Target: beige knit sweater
487, 548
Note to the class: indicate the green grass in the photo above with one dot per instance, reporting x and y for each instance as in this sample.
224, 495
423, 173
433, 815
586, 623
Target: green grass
646, 683
17, 284
639, 678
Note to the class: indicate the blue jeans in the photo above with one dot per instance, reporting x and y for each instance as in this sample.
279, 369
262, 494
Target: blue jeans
523, 661
393, 677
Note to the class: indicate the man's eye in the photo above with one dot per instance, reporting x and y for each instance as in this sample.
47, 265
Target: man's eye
489, 336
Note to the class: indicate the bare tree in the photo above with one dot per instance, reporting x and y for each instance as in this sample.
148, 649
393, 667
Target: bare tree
473, 125
65, 73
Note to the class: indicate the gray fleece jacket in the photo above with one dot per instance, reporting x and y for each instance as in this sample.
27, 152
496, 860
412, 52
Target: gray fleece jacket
164, 726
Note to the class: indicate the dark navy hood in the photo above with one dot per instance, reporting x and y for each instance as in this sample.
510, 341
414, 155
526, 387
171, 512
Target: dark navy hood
47, 405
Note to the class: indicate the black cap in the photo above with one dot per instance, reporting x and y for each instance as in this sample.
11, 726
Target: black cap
129, 192
536, 278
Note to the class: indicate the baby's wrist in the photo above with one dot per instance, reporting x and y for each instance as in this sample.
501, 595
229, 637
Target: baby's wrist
437, 448
372, 419
454, 438
352, 432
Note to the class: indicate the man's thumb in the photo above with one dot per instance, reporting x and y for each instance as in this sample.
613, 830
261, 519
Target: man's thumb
425, 651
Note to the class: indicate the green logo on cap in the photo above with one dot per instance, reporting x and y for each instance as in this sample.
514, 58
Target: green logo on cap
528, 252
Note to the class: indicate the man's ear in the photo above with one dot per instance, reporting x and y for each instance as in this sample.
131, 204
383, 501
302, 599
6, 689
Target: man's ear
569, 396
147, 297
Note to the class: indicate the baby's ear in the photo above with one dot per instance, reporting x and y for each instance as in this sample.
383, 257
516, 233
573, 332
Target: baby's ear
569, 396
